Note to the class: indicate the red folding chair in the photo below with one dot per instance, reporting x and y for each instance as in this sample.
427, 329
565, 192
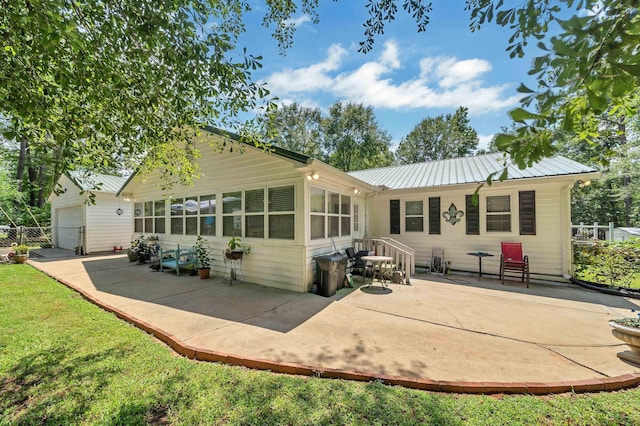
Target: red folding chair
512, 259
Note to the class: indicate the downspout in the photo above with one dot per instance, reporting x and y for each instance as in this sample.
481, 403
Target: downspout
567, 249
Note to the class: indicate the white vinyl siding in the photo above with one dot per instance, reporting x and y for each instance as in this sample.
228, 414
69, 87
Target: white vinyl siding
545, 249
274, 262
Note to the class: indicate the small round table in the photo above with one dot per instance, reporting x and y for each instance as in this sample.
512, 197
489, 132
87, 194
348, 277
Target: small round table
480, 255
377, 260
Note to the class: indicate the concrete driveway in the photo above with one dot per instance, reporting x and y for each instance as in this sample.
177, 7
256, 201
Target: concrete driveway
459, 329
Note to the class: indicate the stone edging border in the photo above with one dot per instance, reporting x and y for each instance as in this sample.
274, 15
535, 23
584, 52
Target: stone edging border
532, 388
605, 290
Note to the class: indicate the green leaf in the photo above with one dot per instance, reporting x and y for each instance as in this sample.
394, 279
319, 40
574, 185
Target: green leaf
524, 89
503, 141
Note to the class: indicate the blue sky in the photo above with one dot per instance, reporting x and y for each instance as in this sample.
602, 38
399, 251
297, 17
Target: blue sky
407, 77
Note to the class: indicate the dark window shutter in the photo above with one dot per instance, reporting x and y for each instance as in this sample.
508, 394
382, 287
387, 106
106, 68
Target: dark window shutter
473, 216
527, 209
394, 216
434, 215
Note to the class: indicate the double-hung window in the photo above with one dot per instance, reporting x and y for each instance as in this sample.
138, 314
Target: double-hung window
207, 214
232, 214
282, 213
498, 216
318, 210
254, 213
413, 216
184, 216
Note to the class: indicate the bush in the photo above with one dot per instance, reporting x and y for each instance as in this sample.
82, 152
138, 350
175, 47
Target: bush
613, 263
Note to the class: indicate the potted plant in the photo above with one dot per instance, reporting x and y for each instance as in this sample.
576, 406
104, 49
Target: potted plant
140, 249
21, 253
202, 249
628, 330
234, 249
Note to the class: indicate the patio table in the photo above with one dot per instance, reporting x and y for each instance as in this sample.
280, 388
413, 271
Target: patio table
480, 255
377, 262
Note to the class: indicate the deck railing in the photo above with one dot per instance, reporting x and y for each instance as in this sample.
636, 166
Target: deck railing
403, 255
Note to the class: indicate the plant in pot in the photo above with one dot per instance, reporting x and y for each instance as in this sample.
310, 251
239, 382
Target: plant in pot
140, 250
202, 249
235, 250
628, 330
21, 253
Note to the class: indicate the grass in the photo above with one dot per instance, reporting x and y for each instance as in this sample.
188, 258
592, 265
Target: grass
591, 274
65, 361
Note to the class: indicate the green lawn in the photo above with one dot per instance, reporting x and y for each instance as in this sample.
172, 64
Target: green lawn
65, 361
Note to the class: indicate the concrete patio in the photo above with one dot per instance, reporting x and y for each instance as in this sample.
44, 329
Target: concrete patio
457, 330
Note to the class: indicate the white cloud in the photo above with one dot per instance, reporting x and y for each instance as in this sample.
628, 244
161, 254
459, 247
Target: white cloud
485, 140
297, 22
442, 82
307, 79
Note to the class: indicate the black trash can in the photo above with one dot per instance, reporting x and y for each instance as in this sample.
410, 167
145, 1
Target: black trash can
330, 273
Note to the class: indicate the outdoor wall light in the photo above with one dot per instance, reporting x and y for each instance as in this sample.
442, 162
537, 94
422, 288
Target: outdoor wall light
356, 191
312, 176
583, 183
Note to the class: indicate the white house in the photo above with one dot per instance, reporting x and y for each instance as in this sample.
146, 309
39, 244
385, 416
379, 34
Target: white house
289, 208
415, 204
90, 227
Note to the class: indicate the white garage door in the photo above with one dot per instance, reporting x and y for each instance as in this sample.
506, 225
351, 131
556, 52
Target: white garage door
69, 222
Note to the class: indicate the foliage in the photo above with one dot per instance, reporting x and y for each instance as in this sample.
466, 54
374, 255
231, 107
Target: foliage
353, 138
95, 83
21, 249
629, 322
445, 136
296, 128
589, 68
140, 246
203, 252
614, 263
66, 361
234, 244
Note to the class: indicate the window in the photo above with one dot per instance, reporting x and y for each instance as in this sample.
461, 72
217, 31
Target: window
413, 216
282, 213
149, 217
138, 218
207, 214
394, 216
333, 217
472, 215
184, 216
317, 213
254, 213
527, 211
330, 212
345, 215
356, 218
499, 213
232, 214
434, 215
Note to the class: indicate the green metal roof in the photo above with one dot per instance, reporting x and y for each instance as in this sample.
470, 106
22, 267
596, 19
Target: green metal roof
456, 171
97, 182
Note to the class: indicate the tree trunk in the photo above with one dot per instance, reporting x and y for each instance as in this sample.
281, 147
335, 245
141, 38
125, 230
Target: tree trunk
42, 176
22, 159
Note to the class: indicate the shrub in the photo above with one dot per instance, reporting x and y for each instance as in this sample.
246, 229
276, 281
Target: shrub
612, 263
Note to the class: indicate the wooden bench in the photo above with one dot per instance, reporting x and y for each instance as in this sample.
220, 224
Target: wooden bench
178, 258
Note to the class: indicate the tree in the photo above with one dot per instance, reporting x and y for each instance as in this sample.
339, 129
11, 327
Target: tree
89, 82
296, 128
445, 136
353, 140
